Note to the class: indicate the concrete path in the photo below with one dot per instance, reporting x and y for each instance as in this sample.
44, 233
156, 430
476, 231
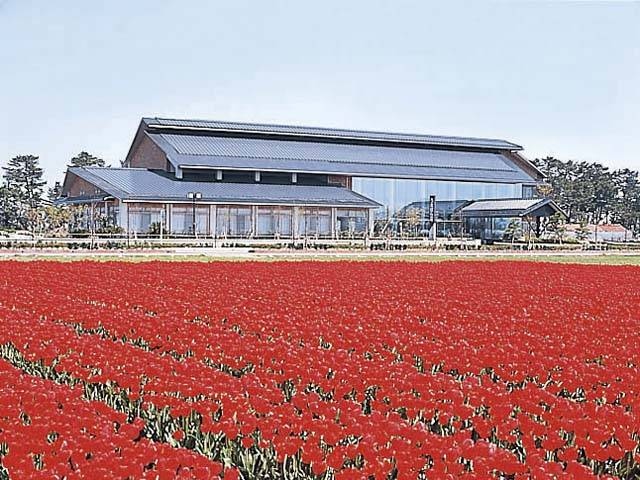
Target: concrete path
251, 254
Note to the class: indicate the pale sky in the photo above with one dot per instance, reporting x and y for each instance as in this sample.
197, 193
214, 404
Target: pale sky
559, 78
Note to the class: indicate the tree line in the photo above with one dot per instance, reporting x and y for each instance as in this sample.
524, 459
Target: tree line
24, 204
588, 192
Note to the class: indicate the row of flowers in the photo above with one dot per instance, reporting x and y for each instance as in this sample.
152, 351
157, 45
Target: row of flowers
373, 370
48, 430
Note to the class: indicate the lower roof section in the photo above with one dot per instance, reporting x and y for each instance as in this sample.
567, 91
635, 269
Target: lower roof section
137, 184
511, 207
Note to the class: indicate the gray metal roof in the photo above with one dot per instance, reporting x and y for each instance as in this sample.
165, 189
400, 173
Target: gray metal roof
512, 207
201, 151
146, 185
329, 133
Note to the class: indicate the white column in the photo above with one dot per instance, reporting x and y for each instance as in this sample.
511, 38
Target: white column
123, 217
213, 210
295, 222
334, 220
254, 220
167, 218
370, 217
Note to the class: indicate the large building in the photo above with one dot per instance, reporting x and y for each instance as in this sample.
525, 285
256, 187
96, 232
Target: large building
226, 179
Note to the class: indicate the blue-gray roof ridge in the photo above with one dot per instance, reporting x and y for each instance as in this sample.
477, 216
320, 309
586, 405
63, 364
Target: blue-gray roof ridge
491, 203
331, 133
201, 151
146, 185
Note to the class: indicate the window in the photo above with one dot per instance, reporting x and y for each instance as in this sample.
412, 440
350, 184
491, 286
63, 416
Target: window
182, 219
351, 221
142, 217
315, 222
274, 221
397, 194
233, 221
529, 191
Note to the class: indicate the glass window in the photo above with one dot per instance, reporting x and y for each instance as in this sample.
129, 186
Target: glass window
315, 222
233, 221
182, 219
397, 195
143, 218
529, 191
274, 221
351, 221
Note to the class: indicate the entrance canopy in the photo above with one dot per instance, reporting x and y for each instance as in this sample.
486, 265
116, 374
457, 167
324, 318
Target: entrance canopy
511, 208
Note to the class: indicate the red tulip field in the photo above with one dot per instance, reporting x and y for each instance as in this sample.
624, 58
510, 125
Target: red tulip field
319, 370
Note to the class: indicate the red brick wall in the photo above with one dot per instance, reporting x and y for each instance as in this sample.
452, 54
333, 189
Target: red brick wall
339, 180
77, 187
148, 155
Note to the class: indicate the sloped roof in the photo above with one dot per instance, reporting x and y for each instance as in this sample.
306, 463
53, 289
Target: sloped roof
512, 207
145, 185
245, 128
200, 151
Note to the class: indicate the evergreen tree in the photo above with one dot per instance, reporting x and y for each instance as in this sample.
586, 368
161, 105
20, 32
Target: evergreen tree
590, 192
23, 190
583, 232
556, 226
84, 159
54, 192
513, 230
9, 208
626, 209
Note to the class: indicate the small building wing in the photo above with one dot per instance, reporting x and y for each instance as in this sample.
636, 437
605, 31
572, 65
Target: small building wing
517, 207
136, 184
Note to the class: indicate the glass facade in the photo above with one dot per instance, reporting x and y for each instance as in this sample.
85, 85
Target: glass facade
233, 221
315, 222
244, 221
487, 228
404, 211
497, 228
144, 217
274, 221
182, 219
351, 222
101, 217
529, 191
399, 194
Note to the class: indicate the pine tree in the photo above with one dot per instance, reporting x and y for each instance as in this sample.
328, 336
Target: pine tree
84, 159
22, 190
513, 230
556, 225
9, 208
54, 192
583, 232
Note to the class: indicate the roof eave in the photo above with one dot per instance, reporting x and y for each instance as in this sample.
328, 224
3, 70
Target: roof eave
237, 201
178, 162
155, 123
